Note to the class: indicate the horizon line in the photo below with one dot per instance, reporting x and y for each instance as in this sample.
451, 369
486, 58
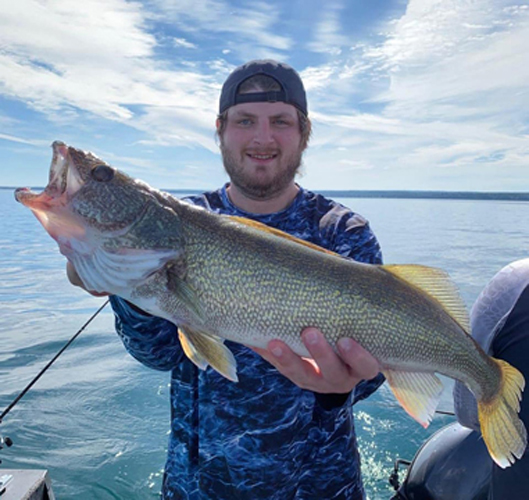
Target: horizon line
385, 193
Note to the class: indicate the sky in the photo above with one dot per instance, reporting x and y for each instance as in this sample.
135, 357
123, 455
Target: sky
406, 95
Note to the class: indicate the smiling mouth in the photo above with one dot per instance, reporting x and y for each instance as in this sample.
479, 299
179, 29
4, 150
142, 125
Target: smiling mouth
262, 157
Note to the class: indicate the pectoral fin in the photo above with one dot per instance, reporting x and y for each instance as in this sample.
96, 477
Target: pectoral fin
418, 393
177, 284
204, 349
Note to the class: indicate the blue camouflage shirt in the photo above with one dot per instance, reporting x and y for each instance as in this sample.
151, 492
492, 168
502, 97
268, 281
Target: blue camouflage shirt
263, 437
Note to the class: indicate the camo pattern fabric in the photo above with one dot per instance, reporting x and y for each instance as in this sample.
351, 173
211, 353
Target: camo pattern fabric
263, 437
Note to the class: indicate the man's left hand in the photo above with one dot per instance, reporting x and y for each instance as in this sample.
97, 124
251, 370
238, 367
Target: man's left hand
326, 372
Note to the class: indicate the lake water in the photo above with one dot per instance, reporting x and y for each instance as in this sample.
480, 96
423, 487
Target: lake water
99, 421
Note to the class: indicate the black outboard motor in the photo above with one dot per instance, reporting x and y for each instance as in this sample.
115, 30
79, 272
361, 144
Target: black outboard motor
453, 464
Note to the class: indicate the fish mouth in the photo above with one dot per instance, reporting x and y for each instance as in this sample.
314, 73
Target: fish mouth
64, 181
52, 207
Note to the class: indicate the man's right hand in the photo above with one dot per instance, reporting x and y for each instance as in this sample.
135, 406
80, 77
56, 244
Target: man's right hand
76, 281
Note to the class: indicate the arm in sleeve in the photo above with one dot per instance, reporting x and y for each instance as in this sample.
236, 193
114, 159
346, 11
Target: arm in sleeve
152, 341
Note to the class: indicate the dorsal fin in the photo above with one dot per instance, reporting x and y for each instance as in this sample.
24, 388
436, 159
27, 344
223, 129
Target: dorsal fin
438, 285
263, 227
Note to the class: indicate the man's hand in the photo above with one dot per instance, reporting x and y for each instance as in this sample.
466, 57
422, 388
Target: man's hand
326, 372
76, 280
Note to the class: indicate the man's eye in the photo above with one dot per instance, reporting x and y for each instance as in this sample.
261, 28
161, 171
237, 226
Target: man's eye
281, 123
244, 122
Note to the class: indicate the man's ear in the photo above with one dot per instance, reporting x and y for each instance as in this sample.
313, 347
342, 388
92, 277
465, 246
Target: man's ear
218, 131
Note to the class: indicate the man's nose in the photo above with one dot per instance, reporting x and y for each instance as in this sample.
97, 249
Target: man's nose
263, 133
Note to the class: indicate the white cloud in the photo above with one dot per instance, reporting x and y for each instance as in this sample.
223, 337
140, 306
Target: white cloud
66, 58
328, 37
20, 140
252, 27
182, 42
457, 75
445, 86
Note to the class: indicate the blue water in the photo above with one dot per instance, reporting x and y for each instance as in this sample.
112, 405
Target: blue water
98, 420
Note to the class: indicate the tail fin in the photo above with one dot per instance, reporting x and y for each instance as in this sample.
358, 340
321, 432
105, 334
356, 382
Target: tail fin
502, 430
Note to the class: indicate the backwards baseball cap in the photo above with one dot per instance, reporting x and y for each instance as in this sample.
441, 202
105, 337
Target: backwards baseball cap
292, 90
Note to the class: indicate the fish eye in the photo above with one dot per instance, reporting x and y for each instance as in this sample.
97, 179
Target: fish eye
103, 173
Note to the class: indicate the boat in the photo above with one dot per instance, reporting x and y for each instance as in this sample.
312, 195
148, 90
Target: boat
452, 464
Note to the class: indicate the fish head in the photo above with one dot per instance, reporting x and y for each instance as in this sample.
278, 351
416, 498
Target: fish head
83, 192
116, 230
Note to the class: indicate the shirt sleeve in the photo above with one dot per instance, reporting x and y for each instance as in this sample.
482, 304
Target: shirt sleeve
151, 340
355, 239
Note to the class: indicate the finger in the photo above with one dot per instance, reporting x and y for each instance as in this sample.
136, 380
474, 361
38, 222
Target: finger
332, 368
300, 371
361, 362
263, 353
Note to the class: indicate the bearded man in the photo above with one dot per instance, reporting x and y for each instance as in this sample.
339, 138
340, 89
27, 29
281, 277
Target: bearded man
286, 429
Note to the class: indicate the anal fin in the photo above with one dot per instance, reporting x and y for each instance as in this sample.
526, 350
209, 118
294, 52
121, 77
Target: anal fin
417, 392
204, 349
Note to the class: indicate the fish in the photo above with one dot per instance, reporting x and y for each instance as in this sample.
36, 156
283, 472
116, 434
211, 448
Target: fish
220, 277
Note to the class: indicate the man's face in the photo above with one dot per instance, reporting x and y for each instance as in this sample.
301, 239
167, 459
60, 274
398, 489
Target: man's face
261, 147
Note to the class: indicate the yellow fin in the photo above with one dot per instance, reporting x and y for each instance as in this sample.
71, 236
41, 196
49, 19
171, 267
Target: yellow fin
203, 350
177, 284
438, 285
262, 227
502, 430
417, 392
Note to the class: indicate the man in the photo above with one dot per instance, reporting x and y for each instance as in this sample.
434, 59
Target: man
284, 431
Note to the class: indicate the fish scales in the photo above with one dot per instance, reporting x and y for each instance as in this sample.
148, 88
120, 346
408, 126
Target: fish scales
278, 287
220, 277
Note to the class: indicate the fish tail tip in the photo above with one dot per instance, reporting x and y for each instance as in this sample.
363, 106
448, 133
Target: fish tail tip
503, 432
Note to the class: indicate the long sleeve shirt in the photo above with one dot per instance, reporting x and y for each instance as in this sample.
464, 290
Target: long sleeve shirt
263, 437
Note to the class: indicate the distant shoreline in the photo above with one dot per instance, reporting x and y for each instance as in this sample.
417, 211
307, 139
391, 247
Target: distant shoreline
438, 195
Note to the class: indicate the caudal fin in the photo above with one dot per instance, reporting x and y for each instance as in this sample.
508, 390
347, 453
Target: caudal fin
502, 430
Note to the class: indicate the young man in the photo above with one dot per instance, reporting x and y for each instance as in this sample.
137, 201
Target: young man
285, 430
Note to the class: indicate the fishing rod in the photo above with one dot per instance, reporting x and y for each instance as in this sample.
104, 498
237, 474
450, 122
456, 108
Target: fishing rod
7, 441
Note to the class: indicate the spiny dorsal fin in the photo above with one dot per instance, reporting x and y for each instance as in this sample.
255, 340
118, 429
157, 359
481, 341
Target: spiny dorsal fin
438, 285
262, 227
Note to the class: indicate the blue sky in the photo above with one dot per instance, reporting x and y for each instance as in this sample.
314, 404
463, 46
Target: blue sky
417, 94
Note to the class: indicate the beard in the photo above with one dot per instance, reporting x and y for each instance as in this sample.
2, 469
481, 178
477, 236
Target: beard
260, 189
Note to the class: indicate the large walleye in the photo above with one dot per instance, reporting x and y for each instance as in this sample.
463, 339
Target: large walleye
220, 277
